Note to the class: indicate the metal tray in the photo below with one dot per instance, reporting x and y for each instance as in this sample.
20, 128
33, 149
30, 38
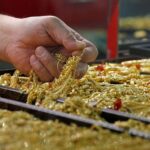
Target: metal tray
112, 115
118, 60
11, 71
127, 45
16, 101
45, 114
140, 50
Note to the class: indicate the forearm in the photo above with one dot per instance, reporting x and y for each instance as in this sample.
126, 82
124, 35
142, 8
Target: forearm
7, 28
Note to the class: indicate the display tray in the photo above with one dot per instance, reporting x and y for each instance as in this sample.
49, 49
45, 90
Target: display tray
121, 116
11, 71
117, 60
45, 114
108, 114
12, 93
133, 42
140, 50
15, 100
128, 37
17, 95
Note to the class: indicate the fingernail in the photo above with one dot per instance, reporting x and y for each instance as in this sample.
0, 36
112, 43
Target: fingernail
81, 45
33, 59
77, 53
39, 52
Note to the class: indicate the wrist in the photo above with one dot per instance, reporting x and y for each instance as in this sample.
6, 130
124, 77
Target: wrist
8, 29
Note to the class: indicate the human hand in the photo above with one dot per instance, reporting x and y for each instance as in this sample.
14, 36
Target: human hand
31, 45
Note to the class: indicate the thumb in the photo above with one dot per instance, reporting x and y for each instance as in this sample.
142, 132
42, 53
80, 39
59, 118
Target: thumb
63, 35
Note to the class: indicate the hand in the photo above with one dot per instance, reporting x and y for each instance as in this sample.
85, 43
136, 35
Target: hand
31, 45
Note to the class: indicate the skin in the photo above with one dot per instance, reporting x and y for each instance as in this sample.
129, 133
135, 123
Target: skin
29, 43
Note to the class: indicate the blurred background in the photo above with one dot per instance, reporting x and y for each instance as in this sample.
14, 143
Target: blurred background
134, 27
109, 24
133, 8
134, 20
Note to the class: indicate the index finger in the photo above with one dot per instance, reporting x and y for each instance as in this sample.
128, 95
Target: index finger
62, 34
88, 54
90, 51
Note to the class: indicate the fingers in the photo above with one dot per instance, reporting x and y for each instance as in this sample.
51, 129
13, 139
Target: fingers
46, 67
89, 53
81, 70
62, 34
70, 39
48, 61
39, 69
72, 43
